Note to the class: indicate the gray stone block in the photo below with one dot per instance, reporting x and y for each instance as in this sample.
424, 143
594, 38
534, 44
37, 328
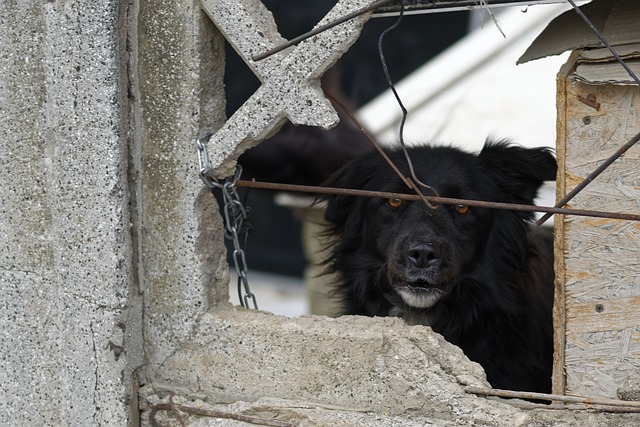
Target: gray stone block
178, 57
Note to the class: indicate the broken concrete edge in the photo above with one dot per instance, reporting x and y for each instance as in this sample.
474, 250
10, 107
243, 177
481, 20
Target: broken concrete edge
319, 371
630, 388
371, 365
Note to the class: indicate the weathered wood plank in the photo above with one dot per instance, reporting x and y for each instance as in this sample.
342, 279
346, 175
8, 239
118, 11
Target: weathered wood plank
597, 312
603, 316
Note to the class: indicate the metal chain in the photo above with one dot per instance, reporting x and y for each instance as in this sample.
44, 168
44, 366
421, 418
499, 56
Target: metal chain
235, 216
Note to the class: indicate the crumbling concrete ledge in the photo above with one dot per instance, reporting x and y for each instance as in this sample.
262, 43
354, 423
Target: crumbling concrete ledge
319, 371
376, 365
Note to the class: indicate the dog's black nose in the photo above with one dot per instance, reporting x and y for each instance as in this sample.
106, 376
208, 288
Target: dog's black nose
423, 254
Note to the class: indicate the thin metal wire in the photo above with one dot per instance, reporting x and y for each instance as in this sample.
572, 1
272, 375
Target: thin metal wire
371, 140
387, 75
557, 209
177, 408
435, 199
602, 403
408, 182
318, 30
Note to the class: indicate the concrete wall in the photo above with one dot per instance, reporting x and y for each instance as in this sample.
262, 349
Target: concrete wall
176, 70
112, 268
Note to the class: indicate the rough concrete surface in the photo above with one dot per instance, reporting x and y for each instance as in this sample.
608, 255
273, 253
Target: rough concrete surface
368, 365
177, 70
100, 200
64, 258
318, 371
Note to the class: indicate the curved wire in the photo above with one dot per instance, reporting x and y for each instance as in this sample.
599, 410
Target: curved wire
387, 75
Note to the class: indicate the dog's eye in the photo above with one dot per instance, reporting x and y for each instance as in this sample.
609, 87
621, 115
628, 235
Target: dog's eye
461, 209
395, 202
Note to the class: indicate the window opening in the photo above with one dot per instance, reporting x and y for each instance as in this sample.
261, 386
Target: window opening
437, 199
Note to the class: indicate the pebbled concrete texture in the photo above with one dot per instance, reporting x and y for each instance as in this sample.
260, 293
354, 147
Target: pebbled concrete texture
65, 258
177, 92
367, 364
319, 371
102, 214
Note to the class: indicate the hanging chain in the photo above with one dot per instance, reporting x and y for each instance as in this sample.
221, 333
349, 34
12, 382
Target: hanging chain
235, 215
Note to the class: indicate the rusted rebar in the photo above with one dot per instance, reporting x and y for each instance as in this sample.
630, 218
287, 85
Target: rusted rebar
608, 405
434, 199
203, 412
549, 211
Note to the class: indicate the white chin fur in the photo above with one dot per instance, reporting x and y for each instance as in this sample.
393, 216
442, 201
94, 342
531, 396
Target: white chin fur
421, 299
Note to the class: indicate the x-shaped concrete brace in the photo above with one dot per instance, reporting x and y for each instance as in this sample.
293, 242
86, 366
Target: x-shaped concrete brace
290, 79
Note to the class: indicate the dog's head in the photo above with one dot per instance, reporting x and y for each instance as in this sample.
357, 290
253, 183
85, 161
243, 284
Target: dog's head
421, 253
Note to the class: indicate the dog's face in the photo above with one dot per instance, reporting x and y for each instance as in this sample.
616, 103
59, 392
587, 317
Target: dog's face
421, 251
425, 249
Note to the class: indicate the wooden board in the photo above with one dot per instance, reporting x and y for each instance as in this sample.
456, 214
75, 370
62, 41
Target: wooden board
597, 311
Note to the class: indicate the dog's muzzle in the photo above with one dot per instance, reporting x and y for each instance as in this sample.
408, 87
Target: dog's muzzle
422, 272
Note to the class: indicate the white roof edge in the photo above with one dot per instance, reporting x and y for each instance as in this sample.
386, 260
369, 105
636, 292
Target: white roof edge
452, 65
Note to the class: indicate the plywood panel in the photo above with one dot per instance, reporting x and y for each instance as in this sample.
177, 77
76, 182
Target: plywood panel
597, 309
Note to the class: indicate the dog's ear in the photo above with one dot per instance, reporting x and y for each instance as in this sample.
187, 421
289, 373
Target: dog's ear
519, 171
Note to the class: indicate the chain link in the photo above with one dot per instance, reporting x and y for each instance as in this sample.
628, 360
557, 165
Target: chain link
235, 216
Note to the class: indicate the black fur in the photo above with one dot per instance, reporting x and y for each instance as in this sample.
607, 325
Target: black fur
483, 279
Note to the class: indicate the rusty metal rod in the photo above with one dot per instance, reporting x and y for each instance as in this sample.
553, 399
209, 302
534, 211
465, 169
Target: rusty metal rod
434, 199
371, 140
408, 181
318, 30
211, 413
553, 397
592, 176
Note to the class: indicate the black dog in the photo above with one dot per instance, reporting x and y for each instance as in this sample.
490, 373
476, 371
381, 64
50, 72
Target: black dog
483, 278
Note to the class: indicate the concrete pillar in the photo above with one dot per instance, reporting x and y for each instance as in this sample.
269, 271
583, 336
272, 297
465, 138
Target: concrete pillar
65, 257
101, 215
177, 66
